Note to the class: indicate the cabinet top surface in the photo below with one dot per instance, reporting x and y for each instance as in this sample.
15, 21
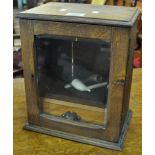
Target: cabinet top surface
83, 13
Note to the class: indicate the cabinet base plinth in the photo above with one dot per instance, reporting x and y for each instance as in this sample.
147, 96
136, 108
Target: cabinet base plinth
82, 139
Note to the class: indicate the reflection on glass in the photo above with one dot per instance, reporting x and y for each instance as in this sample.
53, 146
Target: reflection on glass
73, 69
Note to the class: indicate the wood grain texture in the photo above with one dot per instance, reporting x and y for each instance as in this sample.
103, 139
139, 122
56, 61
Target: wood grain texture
105, 12
72, 30
31, 143
120, 45
76, 30
87, 113
73, 105
129, 69
28, 58
79, 13
119, 38
92, 141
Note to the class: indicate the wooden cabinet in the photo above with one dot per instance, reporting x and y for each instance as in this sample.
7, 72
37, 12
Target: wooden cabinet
78, 68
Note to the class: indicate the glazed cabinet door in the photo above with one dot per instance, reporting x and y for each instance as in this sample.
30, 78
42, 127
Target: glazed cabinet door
75, 76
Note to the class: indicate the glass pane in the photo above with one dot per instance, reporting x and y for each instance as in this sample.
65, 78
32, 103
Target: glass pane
73, 73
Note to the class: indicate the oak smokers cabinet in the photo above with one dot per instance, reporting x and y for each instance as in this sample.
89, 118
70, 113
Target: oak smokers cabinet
78, 70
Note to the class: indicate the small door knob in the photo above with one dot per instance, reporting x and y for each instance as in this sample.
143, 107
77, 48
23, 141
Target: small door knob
32, 76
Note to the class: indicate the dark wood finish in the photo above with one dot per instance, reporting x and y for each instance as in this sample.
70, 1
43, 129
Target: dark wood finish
87, 140
72, 30
119, 54
47, 119
28, 58
115, 114
108, 15
89, 114
129, 70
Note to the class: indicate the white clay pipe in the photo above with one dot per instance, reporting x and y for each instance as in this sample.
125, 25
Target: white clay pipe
79, 85
97, 85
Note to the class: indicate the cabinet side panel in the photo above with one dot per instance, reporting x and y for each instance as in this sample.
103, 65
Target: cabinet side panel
117, 80
129, 70
28, 58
